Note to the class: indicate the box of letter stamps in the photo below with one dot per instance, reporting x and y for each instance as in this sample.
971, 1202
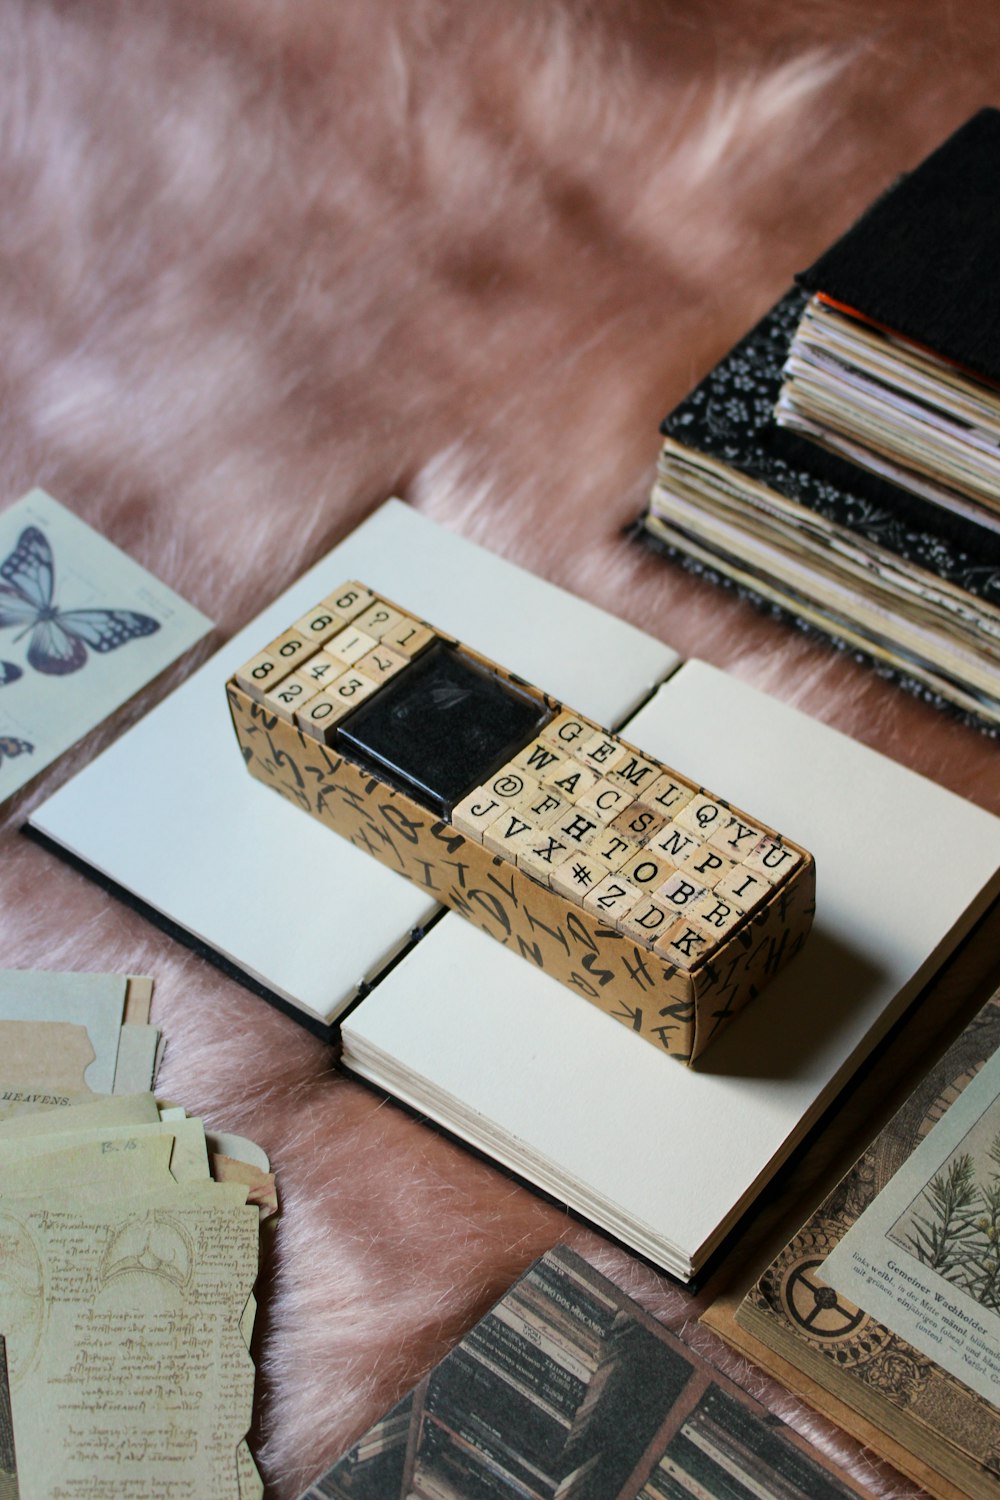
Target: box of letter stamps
649, 896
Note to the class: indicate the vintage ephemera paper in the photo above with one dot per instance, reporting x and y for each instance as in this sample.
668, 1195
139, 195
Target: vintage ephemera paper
62, 1038
103, 1381
924, 1258
77, 1051
82, 628
126, 1307
871, 1379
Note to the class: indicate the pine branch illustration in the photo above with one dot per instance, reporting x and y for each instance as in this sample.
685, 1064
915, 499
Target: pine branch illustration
938, 1239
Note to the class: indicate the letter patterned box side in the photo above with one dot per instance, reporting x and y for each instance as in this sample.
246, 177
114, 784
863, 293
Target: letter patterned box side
648, 895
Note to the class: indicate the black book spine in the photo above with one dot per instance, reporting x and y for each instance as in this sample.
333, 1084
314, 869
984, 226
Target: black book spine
463, 1385
529, 1364
596, 1316
506, 1453
477, 1475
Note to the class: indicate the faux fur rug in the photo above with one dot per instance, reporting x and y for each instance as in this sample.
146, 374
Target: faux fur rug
264, 264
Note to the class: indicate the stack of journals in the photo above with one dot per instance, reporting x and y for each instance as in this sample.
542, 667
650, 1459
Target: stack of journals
900, 411
843, 461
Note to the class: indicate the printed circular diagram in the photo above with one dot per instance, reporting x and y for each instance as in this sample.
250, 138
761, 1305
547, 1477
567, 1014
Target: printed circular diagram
22, 1296
848, 1334
815, 1306
153, 1245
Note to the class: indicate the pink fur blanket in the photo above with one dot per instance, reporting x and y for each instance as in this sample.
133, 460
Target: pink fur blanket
265, 263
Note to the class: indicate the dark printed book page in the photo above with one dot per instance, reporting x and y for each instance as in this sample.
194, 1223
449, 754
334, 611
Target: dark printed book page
566, 1388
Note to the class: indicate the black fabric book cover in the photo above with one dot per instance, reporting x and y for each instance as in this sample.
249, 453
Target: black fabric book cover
923, 259
730, 417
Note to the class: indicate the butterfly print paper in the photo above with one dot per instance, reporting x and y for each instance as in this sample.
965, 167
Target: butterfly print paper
55, 571
9, 747
59, 638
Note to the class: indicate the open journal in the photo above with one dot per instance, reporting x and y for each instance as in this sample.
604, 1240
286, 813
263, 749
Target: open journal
467, 1031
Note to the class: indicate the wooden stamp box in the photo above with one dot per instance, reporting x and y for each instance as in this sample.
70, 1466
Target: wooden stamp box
646, 894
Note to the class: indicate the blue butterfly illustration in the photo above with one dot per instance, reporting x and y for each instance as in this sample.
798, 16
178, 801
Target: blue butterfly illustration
9, 747
9, 673
59, 638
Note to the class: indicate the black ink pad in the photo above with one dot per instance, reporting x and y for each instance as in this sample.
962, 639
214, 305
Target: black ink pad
441, 727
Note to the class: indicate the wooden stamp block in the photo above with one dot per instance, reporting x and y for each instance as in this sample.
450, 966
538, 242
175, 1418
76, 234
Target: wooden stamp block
321, 715
260, 674
562, 765
743, 887
705, 865
634, 772
668, 794
567, 730
612, 848
613, 898
736, 838
353, 688
716, 913
381, 663
679, 893
772, 859
639, 823
474, 814
509, 785
408, 637
540, 855
577, 828
319, 624
684, 945
605, 800
570, 779
350, 644
537, 758
509, 834
645, 869
323, 669
674, 843
377, 619
349, 600
582, 843
291, 650
601, 752
645, 922
578, 874
291, 694
703, 816
542, 806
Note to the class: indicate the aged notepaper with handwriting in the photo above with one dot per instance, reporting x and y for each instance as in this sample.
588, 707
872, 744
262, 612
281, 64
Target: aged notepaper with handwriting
124, 1343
